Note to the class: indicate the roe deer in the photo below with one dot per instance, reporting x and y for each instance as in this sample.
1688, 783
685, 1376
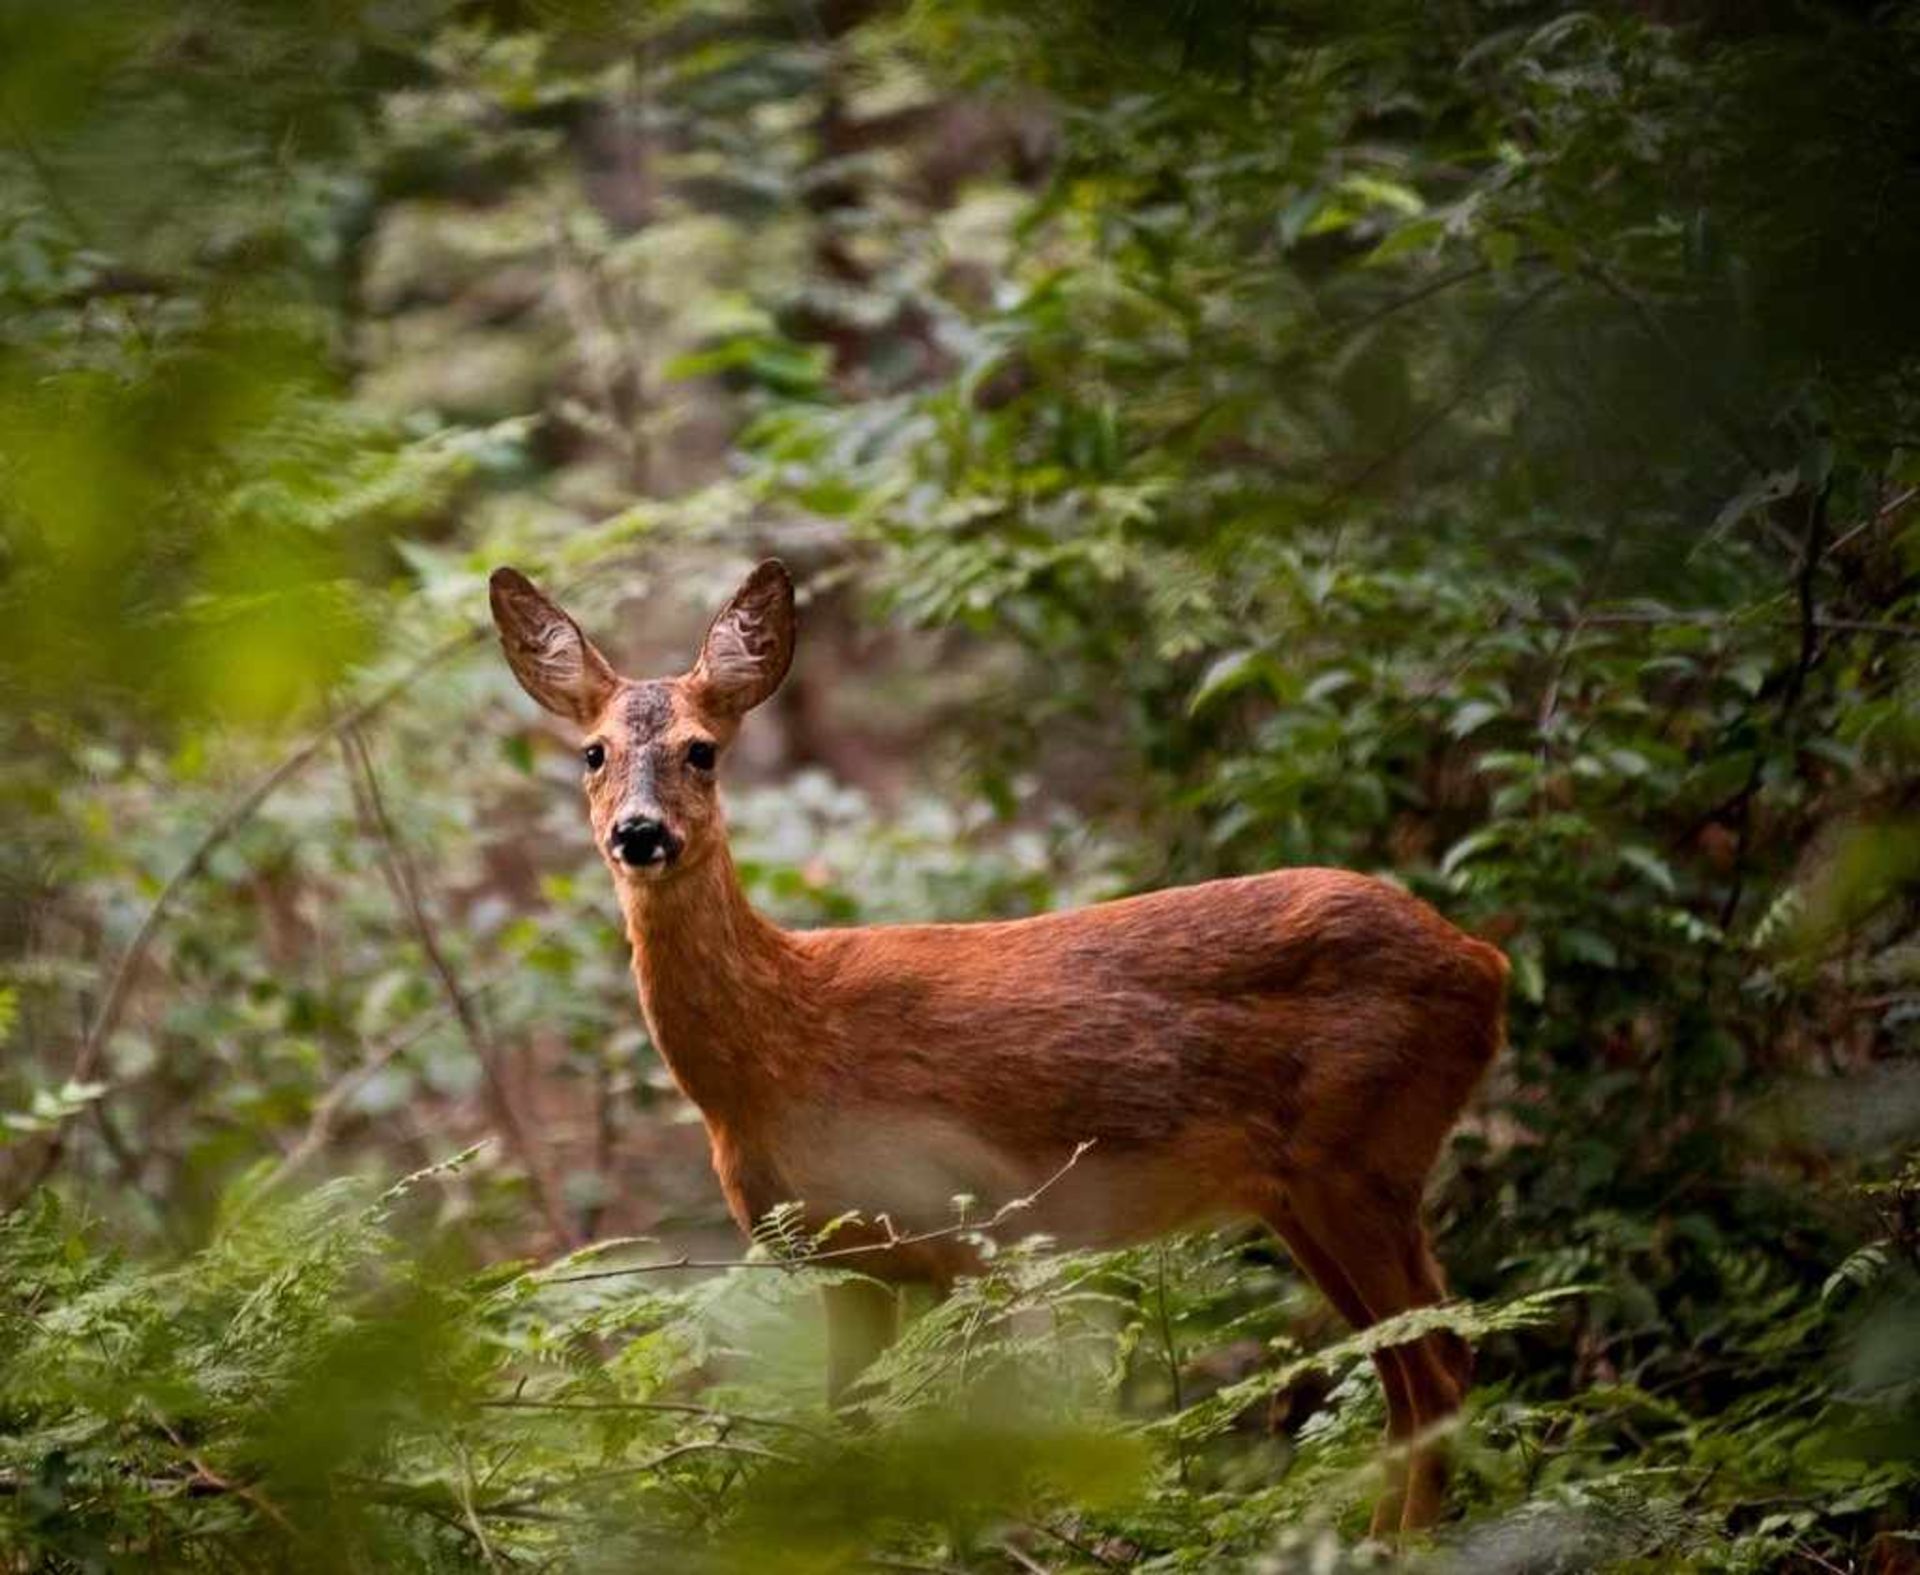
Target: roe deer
1293, 1046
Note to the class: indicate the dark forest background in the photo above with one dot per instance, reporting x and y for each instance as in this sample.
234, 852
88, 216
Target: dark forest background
1476, 442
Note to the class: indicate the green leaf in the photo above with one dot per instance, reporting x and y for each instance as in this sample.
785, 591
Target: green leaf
1229, 674
1417, 235
1649, 864
1588, 946
1472, 846
1473, 716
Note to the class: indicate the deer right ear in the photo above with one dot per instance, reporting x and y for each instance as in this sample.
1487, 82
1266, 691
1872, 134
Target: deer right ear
749, 644
553, 660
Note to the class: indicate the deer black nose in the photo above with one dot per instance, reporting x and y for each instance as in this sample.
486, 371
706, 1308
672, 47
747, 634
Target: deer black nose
640, 841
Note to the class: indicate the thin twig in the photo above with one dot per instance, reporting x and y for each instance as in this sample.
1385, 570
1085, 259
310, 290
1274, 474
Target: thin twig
882, 1561
1808, 625
423, 1496
1805, 591
407, 889
699, 1446
892, 1240
605, 1135
1465, 386
1562, 657
1683, 363
465, 1493
236, 815
1825, 1563
320, 1123
77, 226
1714, 620
224, 1484
1400, 303
1077, 1546
1886, 511
1023, 1559
713, 1414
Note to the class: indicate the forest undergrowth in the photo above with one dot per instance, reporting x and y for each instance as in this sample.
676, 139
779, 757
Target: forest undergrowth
1474, 445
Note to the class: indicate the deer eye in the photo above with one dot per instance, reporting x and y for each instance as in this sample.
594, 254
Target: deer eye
595, 756
700, 755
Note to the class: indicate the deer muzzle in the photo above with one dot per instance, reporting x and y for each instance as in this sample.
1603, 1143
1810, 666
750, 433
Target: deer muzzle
642, 842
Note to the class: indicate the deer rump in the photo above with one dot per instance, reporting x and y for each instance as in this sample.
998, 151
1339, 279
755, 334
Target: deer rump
1215, 1043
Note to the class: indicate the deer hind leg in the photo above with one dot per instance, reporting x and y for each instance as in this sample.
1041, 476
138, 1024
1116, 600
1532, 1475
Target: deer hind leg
863, 1317
1450, 1349
1378, 1243
1324, 1270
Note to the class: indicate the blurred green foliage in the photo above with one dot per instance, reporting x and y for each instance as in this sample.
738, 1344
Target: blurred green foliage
1471, 443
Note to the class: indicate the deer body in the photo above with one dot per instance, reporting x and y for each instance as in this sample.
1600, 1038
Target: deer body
1293, 1046
1212, 1041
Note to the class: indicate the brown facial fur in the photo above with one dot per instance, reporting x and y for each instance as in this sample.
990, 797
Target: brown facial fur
1293, 1046
648, 731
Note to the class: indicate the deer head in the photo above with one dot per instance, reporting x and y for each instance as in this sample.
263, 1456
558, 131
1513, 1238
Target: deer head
651, 747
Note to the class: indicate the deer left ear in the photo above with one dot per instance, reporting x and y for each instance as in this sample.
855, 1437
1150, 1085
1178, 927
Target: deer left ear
553, 660
749, 645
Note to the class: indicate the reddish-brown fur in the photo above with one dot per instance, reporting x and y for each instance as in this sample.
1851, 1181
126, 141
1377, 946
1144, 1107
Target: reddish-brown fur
1293, 1046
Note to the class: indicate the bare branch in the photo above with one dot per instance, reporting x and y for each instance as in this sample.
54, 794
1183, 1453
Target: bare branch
698, 1446
405, 880
831, 1255
237, 814
1463, 389
1627, 617
1886, 511
1684, 364
1023, 1560
242, 809
717, 1414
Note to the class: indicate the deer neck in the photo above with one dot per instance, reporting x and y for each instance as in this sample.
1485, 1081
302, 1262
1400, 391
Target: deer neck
716, 982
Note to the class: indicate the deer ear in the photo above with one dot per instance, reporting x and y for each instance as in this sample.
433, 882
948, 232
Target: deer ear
553, 660
749, 644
